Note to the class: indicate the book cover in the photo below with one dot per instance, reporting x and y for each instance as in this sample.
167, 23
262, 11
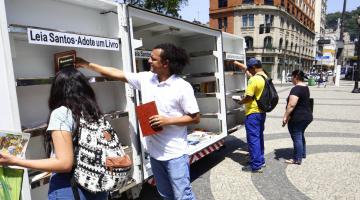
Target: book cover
144, 112
64, 59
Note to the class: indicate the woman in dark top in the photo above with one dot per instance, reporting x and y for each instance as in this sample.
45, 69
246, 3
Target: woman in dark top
298, 115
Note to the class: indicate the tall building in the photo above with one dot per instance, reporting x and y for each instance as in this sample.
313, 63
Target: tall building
278, 32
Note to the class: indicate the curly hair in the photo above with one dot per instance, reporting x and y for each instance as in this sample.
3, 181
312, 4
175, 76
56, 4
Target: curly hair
176, 56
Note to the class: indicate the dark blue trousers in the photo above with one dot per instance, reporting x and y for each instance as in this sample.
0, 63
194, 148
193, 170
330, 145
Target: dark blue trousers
254, 125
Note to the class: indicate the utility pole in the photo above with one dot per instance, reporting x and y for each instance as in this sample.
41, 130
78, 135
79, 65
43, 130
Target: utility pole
341, 41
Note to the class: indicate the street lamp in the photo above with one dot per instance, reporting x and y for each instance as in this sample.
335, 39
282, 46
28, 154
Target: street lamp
356, 86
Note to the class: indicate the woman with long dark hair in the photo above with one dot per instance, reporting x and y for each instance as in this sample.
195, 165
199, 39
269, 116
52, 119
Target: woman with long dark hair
71, 98
298, 115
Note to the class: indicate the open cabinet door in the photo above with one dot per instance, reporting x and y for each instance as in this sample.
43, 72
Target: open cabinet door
205, 73
235, 79
98, 29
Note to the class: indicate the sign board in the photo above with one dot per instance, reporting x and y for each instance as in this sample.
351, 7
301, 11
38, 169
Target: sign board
232, 56
324, 41
142, 54
54, 38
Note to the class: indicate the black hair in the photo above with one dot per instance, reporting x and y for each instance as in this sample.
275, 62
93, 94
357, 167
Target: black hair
70, 88
299, 74
176, 56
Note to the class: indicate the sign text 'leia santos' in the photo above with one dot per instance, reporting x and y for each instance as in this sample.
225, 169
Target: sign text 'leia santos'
55, 38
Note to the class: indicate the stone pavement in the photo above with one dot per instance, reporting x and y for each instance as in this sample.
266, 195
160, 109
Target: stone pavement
330, 171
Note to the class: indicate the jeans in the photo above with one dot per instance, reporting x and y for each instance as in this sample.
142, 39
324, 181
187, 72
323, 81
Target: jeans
172, 178
296, 130
60, 189
254, 125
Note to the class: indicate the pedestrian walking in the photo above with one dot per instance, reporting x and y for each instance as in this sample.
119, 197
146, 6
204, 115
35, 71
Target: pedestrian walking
177, 108
298, 116
71, 98
255, 117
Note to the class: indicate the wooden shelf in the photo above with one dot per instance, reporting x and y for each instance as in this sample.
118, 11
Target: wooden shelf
46, 81
41, 129
198, 75
230, 92
201, 53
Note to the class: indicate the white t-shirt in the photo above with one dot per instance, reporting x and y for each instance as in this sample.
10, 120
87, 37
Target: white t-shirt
174, 98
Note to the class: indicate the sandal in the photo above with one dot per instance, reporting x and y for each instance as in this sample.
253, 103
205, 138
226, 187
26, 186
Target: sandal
292, 161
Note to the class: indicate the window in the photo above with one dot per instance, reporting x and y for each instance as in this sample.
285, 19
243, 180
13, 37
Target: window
251, 20
268, 42
222, 3
282, 22
269, 19
222, 23
286, 44
267, 59
280, 43
248, 1
248, 20
249, 42
245, 20
269, 2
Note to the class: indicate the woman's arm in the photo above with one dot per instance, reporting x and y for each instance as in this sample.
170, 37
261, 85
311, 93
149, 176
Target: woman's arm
289, 108
63, 161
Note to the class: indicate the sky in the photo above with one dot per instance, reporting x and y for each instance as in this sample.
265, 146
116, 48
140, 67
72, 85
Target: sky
199, 9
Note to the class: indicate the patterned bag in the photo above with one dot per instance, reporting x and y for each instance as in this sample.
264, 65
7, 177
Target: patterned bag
101, 163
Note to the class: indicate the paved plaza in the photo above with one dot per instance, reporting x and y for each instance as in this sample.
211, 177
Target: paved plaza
330, 171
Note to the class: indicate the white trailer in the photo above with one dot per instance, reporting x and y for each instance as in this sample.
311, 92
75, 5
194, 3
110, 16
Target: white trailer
119, 35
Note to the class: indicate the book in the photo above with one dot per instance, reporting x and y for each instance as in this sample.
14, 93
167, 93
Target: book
64, 59
14, 143
144, 112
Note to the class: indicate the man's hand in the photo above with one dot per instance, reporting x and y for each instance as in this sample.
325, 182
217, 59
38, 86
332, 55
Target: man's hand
80, 62
157, 121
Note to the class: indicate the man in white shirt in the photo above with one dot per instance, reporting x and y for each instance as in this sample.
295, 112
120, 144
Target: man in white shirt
177, 108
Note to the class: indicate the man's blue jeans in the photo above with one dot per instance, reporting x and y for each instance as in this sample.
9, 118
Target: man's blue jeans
172, 178
296, 130
254, 125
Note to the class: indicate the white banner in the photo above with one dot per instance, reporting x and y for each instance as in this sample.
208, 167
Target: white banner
142, 54
232, 56
46, 37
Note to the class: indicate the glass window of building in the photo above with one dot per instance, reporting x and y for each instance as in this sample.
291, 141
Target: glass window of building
245, 20
268, 42
269, 2
249, 42
280, 43
248, 1
220, 23
251, 20
282, 22
222, 3
269, 19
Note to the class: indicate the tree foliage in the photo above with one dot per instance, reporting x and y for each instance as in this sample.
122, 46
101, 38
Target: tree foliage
167, 7
350, 19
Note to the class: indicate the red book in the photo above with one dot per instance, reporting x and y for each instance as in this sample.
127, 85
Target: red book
144, 112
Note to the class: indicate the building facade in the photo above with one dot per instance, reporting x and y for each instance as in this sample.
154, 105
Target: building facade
280, 33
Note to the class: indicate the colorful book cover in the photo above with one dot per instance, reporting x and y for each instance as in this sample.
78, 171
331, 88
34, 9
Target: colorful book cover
144, 112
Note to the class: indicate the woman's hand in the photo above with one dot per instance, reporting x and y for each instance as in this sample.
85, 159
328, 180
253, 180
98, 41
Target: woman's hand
80, 62
285, 121
7, 159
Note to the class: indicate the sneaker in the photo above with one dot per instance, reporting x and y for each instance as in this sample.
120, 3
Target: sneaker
248, 169
292, 161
